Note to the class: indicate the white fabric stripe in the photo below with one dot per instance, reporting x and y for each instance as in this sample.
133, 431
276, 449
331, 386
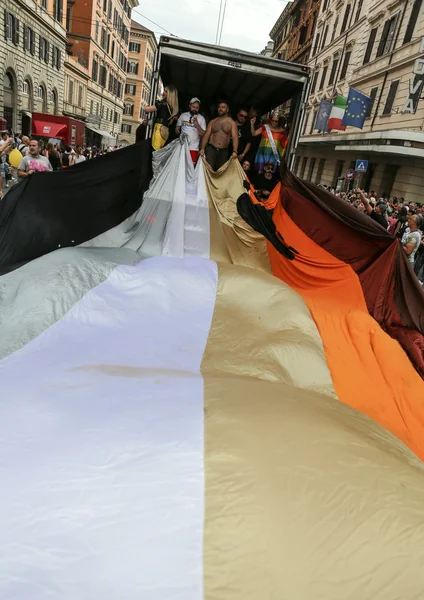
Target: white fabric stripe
101, 436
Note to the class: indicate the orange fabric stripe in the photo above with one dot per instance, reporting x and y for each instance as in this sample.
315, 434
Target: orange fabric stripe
370, 370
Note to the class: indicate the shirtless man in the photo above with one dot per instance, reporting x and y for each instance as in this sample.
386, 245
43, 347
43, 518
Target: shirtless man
216, 141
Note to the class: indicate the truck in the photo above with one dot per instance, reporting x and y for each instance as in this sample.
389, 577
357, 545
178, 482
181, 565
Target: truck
246, 79
57, 127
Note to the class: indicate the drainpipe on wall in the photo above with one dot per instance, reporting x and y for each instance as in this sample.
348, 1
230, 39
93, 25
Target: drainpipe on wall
386, 74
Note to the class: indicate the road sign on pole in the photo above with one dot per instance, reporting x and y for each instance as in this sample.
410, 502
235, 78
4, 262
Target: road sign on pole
361, 166
350, 174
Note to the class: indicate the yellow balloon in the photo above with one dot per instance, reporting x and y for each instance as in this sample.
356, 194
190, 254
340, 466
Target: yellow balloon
15, 158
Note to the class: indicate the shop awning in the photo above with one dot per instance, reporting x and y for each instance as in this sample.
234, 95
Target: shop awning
107, 138
51, 130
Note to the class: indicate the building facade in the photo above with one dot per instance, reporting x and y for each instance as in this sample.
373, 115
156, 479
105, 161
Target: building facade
141, 60
77, 78
375, 47
98, 38
32, 53
294, 31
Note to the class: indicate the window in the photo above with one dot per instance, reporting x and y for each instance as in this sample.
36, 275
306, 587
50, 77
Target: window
25, 87
314, 82
314, 118
80, 94
109, 11
311, 169
302, 170
112, 50
323, 77
115, 117
70, 91
334, 69
91, 107
320, 170
387, 37
43, 50
296, 165
11, 27
316, 45
336, 23
58, 10
102, 76
126, 128
129, 109
325, 5
95, 70
345, 65
29, 39
44, 3
104, 5
56, 58
413, 19
133, 68
102, 112
373, 95
370, 45
97, 31
391, 97
345, 19
97, 108
324, 37
358, 10
130, 89
134, 47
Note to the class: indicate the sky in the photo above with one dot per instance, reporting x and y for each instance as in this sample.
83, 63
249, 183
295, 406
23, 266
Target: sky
246, 26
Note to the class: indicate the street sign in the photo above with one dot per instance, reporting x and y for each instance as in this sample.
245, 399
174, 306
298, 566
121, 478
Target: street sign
350, 174
361, 166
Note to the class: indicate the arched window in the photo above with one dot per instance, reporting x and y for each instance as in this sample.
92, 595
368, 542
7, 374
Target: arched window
54, 101
133, 68
9, 98
27, 99
129, 109
42, 98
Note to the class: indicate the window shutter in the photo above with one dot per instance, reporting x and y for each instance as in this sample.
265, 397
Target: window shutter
26, 38
46, 54
15, 30
373, 95
59, 59
390, 97
32, 40
7, 33
413, 19
345, 19
383, 39
345, 65
136, 69
333, 71
60, 17
370, 46
40, 48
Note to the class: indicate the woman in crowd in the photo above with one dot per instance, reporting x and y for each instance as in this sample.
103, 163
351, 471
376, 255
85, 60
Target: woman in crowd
53, 156
166, 117
273, 143
79, 155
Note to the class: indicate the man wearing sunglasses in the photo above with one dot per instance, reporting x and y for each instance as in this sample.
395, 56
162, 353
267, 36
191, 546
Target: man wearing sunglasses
245, 137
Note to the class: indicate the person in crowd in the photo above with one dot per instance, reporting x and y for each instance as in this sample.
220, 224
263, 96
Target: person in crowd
216, 141
401, 223
68, 157
5, 147
254, 141
412, 238
245, 137
53, 155
272, 145
79, 155
33, 162
246, 167
265, 182
23, 146
193, 125
377, 214
166, 117
4, 137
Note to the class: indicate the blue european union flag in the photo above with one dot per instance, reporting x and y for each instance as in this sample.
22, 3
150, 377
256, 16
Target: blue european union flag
356, 108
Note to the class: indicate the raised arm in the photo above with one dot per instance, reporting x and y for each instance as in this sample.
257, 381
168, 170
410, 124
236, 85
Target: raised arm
235, 136
254, 132
150, 109
205, 138
365, 200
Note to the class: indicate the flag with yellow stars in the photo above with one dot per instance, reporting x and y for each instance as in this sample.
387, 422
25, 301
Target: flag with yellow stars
357, 109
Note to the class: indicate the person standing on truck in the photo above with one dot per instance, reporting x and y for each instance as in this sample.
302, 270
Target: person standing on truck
245, 137
166, 116
194, 126
216, 141
273, 143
